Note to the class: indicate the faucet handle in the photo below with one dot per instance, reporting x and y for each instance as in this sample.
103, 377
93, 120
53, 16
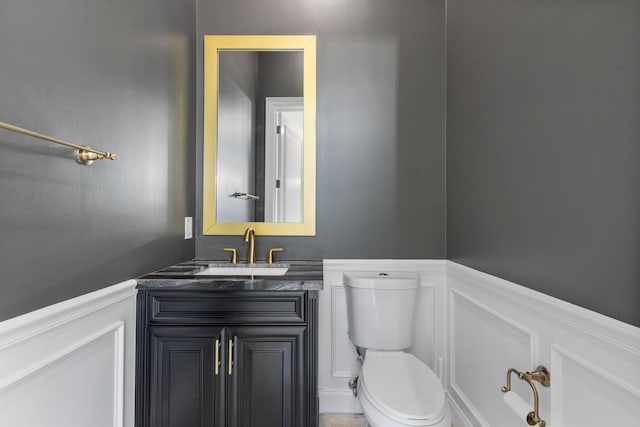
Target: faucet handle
271, 257
234, 254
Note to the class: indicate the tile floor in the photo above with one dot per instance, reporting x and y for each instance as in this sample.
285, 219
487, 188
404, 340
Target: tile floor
342, 420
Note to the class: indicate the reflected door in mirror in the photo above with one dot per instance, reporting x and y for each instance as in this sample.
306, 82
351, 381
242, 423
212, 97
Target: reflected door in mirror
283, 159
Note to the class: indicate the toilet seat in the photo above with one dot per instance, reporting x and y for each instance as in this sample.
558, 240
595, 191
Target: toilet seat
402, 388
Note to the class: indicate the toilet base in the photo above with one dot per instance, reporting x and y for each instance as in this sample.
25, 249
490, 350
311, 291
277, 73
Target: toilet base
375, 418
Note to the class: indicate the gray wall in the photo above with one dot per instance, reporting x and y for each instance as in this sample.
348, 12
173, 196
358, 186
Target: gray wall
380, 124
542, 109
280, 74
543, 145
116, 75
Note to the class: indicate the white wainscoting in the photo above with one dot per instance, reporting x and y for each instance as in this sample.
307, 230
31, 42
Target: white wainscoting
494, 324
471, 327
337, 359
71, 364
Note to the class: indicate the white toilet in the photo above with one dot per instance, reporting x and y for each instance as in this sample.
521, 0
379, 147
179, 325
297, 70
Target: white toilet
395, 389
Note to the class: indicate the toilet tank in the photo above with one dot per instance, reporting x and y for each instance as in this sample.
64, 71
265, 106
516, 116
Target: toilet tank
380, 309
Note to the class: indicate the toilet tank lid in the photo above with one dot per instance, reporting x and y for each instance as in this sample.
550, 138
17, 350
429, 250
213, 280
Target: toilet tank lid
381, 280
403, 386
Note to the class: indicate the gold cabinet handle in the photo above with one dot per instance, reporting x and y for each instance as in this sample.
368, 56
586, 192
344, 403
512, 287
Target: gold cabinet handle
271, 254
217, 361
230, 356
234, 254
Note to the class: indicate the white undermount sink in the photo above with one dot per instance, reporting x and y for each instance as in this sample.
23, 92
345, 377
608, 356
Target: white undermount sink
244, 270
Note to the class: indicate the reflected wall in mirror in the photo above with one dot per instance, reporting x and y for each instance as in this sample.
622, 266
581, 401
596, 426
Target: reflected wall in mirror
259, 135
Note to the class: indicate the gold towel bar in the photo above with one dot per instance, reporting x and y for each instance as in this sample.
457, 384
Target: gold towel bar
84, 155
541, 375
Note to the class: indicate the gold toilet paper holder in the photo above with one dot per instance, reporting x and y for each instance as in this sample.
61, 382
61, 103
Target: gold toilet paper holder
541, 375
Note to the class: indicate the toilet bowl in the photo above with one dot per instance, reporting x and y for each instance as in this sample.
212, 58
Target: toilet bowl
396, 389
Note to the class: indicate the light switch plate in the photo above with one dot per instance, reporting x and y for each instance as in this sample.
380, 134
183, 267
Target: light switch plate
188, 227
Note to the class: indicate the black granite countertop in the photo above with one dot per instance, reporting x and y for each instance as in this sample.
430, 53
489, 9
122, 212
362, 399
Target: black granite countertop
301, 276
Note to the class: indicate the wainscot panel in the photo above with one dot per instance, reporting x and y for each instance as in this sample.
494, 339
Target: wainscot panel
494, 325
71, 364
472, 327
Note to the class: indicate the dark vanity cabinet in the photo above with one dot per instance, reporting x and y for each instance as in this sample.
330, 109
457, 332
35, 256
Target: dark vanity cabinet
227, 359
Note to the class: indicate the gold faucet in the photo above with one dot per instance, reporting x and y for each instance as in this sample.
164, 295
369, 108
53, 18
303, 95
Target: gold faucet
250, 236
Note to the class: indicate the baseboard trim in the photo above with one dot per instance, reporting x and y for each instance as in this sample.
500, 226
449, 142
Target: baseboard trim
338, 401
459, 419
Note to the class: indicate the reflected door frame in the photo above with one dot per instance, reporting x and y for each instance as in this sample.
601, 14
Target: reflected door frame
278, 207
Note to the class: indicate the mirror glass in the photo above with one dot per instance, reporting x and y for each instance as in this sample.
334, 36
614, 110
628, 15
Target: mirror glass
259, 135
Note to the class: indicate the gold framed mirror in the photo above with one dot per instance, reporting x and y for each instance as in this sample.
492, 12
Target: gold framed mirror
259, 156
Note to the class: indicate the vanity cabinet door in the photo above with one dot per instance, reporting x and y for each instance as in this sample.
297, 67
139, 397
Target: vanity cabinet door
268, 386
184, 388
269, 338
